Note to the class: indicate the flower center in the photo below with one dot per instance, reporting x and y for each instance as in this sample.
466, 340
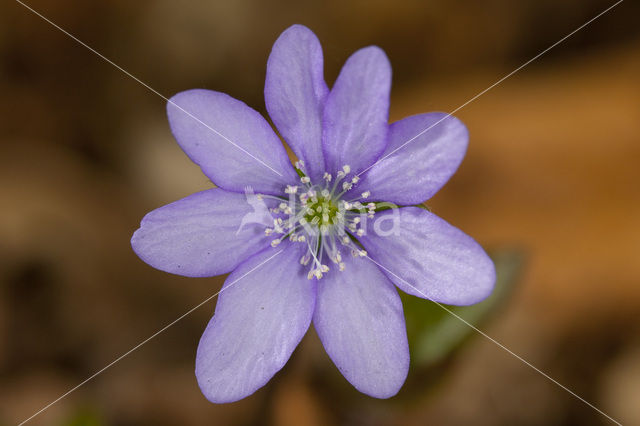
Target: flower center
321, 212
317, 215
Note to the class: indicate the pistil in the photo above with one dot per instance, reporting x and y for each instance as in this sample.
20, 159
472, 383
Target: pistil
317, 216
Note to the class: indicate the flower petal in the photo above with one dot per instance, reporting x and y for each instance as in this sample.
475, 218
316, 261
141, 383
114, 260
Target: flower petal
424, 151
232, 143
426, 257
357, 110
264, 310
205, 234
360, 321
295, 92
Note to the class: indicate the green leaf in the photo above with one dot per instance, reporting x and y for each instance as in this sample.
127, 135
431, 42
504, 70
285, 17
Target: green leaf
85, 416
435, 333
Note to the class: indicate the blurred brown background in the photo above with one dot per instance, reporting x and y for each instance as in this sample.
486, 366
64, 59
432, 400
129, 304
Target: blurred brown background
552, 169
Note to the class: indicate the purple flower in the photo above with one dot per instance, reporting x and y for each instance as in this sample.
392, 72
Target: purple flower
315, 243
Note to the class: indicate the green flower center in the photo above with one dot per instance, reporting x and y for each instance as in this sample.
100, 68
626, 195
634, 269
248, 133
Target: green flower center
321, 211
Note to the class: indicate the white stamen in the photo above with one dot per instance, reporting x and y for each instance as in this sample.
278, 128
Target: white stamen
321, 219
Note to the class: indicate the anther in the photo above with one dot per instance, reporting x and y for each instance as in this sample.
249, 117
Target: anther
319, 218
